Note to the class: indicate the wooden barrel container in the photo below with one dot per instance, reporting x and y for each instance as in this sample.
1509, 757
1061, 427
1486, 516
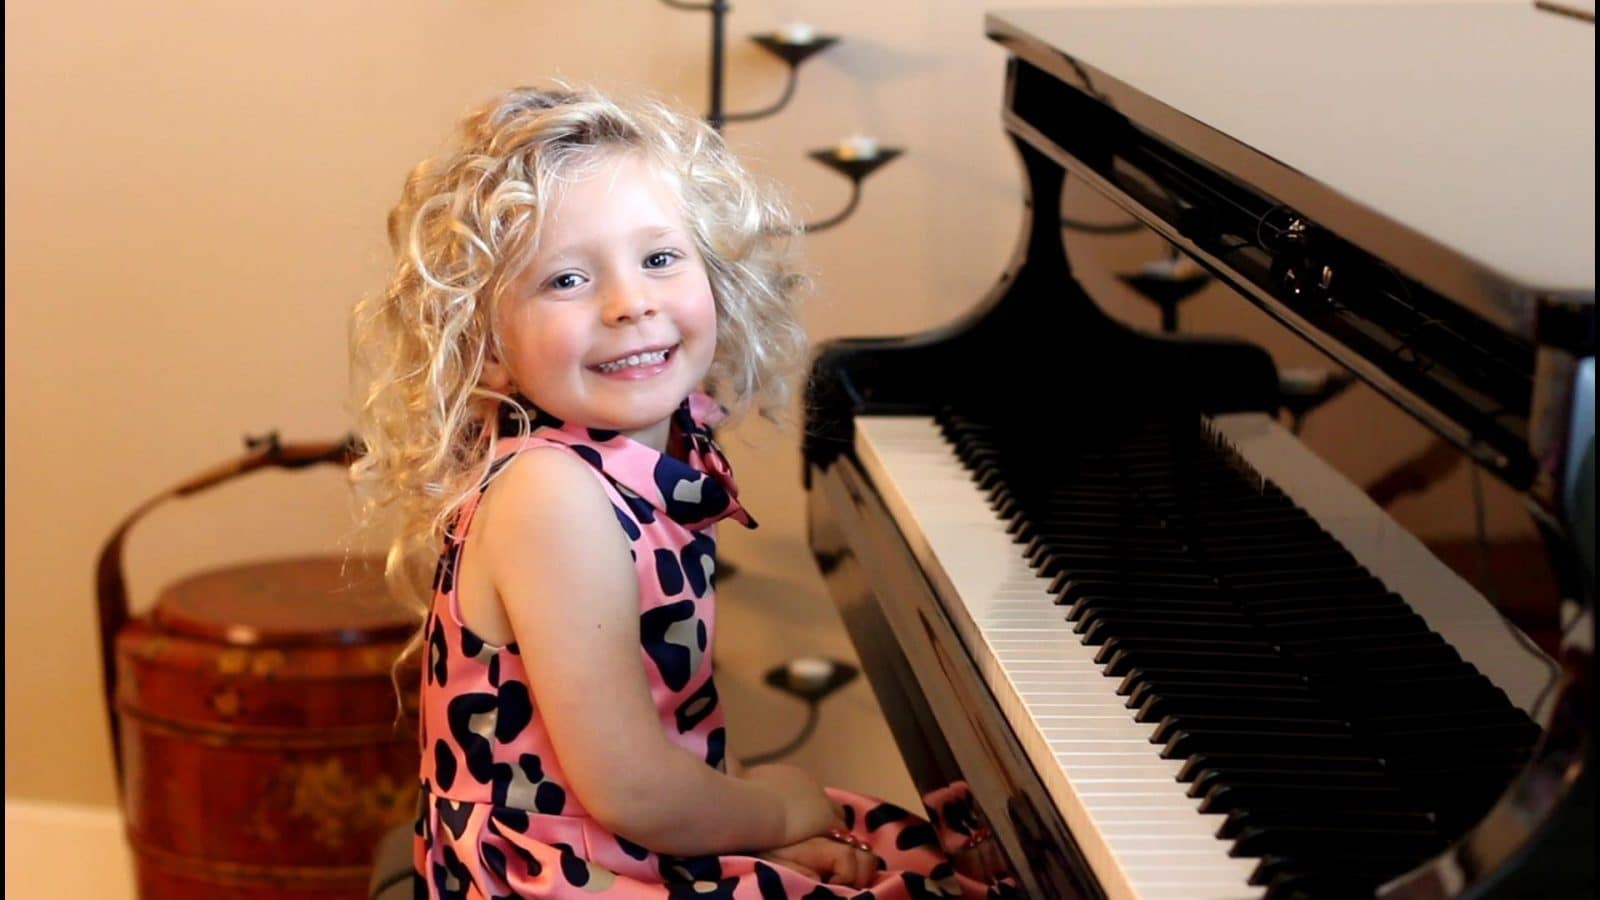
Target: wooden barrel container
261, 750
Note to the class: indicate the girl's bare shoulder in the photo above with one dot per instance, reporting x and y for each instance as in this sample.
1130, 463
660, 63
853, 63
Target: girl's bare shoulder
549, 497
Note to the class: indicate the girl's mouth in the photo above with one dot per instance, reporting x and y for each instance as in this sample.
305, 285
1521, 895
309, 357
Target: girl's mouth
637, 364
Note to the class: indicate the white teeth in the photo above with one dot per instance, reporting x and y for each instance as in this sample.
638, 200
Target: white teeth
652, 358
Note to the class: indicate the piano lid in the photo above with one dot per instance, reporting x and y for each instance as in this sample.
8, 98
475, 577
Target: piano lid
1455, 141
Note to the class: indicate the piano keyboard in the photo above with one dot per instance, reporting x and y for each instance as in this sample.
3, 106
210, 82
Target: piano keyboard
1117, 790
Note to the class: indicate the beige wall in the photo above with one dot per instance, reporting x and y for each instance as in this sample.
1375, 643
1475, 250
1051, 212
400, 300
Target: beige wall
195, 194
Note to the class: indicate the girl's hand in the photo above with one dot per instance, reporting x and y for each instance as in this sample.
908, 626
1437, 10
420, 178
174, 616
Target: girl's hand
807, 811
827, 861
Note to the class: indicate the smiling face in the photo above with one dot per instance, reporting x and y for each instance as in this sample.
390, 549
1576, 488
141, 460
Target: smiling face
612, 322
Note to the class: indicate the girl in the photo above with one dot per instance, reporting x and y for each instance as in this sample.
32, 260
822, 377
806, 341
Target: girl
567, 282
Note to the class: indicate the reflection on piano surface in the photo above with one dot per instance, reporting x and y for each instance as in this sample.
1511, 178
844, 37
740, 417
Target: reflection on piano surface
1170, 652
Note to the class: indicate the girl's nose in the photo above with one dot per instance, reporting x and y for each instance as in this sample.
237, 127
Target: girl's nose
628, 304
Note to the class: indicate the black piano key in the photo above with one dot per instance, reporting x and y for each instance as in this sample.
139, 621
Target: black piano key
1290, 611
1145, 682
1240, 722
1465, 764
1202, 548
1133, 599
1293, 567
1345, 654
1154, 525
1286, 582
1096, 625
1050, 498
1097, 632
1147, 552
1200, 494
1505, 738
1327, 868
1380, 632
1227, 542
1292, 841
1496, 724
1267, 596
1087, 610
1238, 820
1165, 704
1237, 694
1216, 777
1463, 795
1069, 589
1289, 795
1121, 661
1358, 623
1409, 688
1086, 613
1261, 758
1129, 523
1151, 639
1153, 649
1154, 567
1212, 499
1069, 581
1202, 502
1287, 556
1347, 593
1183, 744
1373, 692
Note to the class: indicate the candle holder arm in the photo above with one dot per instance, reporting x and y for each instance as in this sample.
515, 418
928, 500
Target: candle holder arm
792, 54
763, 112
841, 215
854, 169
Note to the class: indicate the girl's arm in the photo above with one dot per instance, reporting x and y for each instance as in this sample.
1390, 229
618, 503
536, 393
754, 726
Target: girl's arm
561, 566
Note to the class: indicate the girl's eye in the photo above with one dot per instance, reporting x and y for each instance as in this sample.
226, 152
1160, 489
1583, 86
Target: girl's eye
660, 259
566, 281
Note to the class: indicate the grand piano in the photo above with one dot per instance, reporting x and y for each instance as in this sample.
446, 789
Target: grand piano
1160, 647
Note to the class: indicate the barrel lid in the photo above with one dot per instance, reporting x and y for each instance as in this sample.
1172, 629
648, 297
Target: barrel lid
304, 600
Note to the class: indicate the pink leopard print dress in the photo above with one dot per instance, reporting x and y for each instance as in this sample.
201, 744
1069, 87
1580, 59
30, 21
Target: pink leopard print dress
498, 819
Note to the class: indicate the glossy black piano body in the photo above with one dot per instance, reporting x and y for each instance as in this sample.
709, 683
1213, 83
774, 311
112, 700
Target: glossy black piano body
1491, 363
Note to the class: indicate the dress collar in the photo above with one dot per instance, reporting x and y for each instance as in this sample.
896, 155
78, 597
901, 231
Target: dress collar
694, 491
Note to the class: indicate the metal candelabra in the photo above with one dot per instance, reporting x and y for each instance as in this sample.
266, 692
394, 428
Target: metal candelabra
855, 157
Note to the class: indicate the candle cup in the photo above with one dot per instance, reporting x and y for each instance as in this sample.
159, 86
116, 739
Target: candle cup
854, 169
796, 34
790, 52
811, 678
857, 147
809, 674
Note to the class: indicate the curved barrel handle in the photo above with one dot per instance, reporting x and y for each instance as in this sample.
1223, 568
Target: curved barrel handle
111, 589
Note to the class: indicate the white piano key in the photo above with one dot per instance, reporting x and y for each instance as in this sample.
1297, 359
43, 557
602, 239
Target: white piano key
1133, 818
1133, 773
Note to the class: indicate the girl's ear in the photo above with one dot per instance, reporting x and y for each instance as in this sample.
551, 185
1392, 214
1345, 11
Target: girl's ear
496, 377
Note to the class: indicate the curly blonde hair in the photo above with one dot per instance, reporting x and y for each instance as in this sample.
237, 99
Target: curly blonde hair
466, 224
